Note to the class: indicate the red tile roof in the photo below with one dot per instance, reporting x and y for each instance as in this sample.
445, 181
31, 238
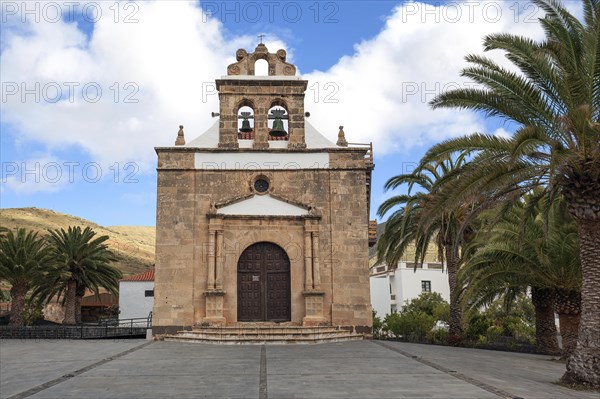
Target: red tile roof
148, 275
250, 136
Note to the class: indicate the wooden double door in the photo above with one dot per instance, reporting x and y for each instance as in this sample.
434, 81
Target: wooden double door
264, 284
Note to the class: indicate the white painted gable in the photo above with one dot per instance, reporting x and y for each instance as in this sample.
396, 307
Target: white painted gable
209, 139
316, 139
313, 138
262, 205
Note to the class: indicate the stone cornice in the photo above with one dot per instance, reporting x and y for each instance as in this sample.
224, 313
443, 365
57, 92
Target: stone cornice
361, 150
263, 217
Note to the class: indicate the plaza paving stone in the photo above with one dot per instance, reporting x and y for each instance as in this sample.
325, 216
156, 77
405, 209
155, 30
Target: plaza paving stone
524, 375
360, 369
25, 364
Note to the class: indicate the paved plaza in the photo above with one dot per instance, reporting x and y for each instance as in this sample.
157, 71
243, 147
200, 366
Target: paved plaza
360, 369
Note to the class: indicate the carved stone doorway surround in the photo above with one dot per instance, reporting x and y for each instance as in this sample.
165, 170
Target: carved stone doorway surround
215, 295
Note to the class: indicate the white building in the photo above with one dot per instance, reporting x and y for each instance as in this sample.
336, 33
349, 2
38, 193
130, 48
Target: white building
392, 287
136, 295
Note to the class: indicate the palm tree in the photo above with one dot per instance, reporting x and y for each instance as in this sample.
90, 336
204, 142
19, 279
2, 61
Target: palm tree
80, 261
554, 100
23, 258
530, 248
406, 226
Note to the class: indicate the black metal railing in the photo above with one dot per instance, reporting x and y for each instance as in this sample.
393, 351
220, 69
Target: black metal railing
137, 322
115, 328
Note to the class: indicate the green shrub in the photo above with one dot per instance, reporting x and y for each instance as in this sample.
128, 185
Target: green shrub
377, 326
420, 315
514, 319
414, 326
32, 312
429, 303
438, 336
415, 321
493, 333
441, 312
391, 323
515, 327
477, 327
411, 326
481, 340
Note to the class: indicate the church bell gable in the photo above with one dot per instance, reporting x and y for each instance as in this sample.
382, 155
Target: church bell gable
274, 104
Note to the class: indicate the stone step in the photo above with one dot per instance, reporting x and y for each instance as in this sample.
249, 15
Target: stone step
262, 335
258, 340
268, 330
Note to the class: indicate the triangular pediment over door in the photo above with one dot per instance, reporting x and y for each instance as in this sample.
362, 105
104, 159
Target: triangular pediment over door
263, 205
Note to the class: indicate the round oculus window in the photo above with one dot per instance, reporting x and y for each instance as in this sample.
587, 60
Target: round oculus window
261, 185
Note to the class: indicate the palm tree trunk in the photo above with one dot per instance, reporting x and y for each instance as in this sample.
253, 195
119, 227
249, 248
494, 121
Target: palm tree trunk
545, 326
583, 366
17, 293
78, 309
568, 306
70, 299
569, 327
455, 325
80, 293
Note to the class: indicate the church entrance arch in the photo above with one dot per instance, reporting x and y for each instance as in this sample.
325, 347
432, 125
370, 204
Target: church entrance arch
263, 292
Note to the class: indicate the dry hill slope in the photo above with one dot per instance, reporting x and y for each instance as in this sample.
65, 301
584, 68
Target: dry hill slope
133, 245
409, 255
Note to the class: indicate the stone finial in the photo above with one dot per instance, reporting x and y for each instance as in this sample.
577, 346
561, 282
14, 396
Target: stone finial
180, 138
342, 138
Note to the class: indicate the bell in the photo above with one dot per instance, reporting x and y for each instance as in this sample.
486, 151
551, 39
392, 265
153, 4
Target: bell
278, 129
245, 122
246, 126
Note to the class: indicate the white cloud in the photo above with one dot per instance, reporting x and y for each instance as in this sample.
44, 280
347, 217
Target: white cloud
162, 64
169, 59
502, 133
385, 87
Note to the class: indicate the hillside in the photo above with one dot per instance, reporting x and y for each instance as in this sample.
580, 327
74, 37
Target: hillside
133, 245
409, 256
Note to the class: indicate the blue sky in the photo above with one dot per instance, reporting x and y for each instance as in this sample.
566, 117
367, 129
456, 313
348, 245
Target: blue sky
86, 97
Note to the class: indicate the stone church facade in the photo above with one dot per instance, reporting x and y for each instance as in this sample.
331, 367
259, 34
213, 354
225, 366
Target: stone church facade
259, 223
